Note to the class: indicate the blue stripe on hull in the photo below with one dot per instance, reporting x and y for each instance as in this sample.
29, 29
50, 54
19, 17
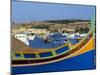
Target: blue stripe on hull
82, 62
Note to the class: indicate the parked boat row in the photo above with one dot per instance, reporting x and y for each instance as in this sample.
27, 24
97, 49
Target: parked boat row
49, 40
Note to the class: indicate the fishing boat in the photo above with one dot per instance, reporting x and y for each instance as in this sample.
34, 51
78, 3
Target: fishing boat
23, 55
22, 37
31, 37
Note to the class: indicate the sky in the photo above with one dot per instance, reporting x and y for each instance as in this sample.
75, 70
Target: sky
32, 11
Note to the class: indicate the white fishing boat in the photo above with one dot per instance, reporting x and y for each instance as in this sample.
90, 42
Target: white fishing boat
71, 36
22, 37
31, 37
65, 34
83, 35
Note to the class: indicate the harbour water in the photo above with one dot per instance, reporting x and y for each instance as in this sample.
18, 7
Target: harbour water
55, 41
